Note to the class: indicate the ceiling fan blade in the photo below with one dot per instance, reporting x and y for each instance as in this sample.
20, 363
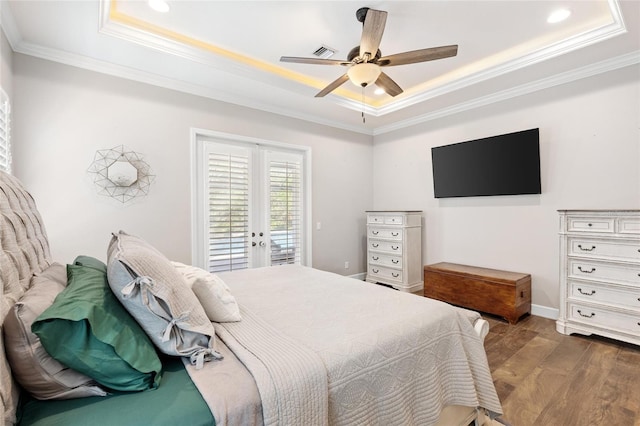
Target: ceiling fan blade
389, 86
316, 61
372, 31
334, 85
415, 56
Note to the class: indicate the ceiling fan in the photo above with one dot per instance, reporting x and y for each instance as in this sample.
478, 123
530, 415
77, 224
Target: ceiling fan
364, 61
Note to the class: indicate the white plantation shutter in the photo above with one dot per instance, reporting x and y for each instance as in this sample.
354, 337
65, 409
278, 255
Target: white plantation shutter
251, 202
5, 132
228, 194
285, 202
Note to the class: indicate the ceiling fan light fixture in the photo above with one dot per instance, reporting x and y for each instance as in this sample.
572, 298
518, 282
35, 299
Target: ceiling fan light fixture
364, 74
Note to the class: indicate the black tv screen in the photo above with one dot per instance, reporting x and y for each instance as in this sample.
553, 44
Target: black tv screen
499, 165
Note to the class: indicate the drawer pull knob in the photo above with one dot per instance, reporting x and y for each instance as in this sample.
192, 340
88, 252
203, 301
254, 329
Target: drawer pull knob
590, 224
374, 245
375, 258
375, 271
592, 314
395, 247
374, 232
395, 275
585, 271
587, 294
395, 234
586, 249
395, 261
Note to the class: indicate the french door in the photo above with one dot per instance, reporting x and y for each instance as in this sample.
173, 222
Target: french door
251, 203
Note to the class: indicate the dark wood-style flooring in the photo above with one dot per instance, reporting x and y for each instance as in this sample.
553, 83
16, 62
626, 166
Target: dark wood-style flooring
549, 379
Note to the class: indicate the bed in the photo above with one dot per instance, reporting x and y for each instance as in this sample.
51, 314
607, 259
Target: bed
312, 348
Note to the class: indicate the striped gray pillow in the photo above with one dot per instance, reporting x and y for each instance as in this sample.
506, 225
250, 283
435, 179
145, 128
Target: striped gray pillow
155, 294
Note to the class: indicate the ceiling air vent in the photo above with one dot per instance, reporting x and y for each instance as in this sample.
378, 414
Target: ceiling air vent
324, 52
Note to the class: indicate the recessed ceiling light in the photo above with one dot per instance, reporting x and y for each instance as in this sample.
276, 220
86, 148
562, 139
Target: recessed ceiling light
558, 16
159, 5
379, 91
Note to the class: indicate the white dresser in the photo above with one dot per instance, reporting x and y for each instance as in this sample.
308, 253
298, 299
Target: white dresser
600, 273
394, 249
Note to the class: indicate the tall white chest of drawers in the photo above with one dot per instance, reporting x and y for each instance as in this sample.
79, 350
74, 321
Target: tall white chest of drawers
394, 249
600, 273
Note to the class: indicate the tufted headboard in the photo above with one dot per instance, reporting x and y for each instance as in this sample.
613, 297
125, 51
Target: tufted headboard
24, 250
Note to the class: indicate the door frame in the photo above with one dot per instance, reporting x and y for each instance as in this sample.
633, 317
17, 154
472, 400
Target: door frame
198, 221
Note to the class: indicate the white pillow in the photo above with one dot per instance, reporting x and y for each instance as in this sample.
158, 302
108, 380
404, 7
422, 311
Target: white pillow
213, 293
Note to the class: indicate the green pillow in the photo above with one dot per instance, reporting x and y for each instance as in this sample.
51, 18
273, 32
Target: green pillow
88, 330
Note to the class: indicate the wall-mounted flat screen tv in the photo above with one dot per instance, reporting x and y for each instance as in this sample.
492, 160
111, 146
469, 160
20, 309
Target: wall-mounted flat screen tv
499, 165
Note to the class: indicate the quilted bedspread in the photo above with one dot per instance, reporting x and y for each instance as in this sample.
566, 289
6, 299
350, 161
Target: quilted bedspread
326, 349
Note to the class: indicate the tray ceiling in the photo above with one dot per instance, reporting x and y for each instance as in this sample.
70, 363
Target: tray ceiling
230, 50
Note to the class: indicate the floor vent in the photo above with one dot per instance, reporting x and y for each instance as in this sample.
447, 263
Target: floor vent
324, 52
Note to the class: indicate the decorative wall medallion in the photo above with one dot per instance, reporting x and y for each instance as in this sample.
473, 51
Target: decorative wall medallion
121, 174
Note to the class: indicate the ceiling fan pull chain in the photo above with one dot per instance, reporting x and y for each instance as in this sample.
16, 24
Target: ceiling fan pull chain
363, 120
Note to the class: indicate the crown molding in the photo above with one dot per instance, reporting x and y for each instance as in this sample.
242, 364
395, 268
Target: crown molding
118, 25
590, 70
617, 27
155, 80
8, 24
570, 44
173, 84
112, 28
227, 63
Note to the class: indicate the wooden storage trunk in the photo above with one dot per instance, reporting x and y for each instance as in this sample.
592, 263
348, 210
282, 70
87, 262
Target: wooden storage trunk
503, 293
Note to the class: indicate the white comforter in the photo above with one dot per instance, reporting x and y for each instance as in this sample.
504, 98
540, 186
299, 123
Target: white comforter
326, 349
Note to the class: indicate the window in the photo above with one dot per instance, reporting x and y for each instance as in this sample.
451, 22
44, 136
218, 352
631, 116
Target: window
251, 205
5, 132
228, 193
285, 199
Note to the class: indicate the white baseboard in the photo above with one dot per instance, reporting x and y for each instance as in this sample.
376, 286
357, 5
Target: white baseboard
361, 276
545, 312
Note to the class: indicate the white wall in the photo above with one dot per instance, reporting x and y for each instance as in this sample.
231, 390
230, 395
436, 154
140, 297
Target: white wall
64, 114
6, 65
590, 159
590, 149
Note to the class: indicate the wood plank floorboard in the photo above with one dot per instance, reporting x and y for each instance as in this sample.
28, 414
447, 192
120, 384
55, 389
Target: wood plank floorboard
545, 378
